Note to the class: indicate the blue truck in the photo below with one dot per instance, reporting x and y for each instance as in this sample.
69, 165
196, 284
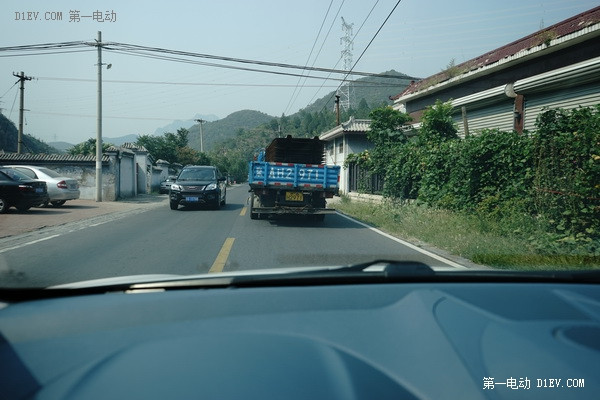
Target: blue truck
289, 177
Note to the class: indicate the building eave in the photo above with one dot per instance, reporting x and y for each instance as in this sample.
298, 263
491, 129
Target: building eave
478, 68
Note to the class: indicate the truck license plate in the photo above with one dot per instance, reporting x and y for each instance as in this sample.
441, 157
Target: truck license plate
294, 196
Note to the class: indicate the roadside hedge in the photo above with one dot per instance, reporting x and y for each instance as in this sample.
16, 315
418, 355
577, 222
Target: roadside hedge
551, 174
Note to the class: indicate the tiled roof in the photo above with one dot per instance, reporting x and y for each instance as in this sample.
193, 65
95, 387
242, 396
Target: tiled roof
133, 146
350, 126
357, 125
115, 149
569, 26
59, 158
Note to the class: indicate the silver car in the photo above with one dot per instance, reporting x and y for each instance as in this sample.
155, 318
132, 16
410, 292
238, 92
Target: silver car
60, 188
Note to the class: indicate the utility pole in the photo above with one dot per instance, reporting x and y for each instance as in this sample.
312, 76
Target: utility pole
99, 124
337, 110
201, 121
22, 79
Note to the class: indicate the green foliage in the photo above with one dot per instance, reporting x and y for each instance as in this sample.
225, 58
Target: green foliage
87, 148
233, 155
170, 147
404, 173
567, 170
364, 175
551, 176
387, 136
437, 124
188, 156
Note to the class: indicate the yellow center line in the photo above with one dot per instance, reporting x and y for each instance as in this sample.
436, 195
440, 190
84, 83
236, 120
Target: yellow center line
243, 212
221, 259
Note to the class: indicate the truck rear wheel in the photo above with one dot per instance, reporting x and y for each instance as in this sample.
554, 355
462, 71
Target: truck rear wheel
253, 215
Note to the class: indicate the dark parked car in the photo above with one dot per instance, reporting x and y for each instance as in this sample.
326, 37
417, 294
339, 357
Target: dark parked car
166, 184
198, 185
20, 191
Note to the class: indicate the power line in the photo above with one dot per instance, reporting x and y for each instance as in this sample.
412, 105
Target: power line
134, 49
173, 83
369, 44
358, 83
195, 62
9, 89
357, 32
46, 53
297, 90
179, 56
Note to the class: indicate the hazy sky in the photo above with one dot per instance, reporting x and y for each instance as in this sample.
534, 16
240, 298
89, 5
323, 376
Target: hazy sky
141, 94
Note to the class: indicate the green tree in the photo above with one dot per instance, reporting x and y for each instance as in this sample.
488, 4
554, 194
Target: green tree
87, 148
363, 109
387, 136
437, 123
169, 147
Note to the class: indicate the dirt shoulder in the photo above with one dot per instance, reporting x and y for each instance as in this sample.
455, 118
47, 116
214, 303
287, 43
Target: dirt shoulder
16, 223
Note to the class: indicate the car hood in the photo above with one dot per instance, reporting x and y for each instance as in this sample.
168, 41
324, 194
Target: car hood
258, 273
148, 278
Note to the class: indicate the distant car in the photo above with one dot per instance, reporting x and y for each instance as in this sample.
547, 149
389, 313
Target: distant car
20, 191
166, 184
198, 185
60, 188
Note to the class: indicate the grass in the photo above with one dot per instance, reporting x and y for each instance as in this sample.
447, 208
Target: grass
505, 244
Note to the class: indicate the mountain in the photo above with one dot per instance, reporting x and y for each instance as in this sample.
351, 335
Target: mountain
9, 140
375, 90
218, 131
368, 93
117, 141
187, 124
120, 140
61, 146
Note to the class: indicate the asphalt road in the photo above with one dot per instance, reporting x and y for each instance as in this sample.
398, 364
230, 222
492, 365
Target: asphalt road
157, 240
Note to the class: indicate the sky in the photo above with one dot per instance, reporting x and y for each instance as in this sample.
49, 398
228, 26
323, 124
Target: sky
140, 94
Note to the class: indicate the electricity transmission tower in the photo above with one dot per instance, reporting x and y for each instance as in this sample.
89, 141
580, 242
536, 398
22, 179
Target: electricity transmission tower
346, 91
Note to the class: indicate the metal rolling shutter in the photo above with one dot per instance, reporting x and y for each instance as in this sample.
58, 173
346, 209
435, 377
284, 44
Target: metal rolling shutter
496, 116
567, 98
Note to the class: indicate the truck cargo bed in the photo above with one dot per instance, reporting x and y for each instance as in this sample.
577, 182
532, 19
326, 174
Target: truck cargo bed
297, 176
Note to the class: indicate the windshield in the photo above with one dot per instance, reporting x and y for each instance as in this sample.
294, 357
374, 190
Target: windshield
15, 175
50, 173
197, 174
462, 136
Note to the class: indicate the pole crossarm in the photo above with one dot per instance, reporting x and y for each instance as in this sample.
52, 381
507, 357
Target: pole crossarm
22, 78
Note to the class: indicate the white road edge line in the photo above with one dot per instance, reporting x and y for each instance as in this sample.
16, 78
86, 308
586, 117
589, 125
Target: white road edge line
405, 243
28, 243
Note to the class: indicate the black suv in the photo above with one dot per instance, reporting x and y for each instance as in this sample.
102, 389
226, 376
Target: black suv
198, 185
